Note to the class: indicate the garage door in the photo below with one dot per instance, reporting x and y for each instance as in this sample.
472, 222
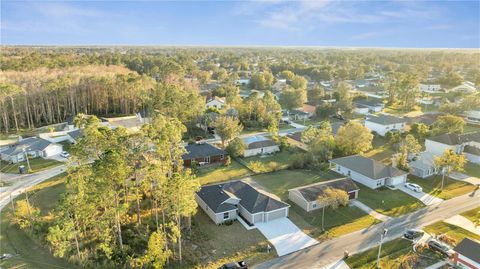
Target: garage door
276, 214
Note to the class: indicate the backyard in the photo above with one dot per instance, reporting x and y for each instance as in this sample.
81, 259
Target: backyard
393, 203
37, 164
269, 163
451, 187
222, 173
381, 151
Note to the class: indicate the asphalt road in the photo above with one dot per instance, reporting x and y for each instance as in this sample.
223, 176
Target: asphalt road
330, 251
22, 182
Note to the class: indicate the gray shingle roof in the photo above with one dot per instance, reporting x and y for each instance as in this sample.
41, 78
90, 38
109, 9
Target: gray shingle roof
368, 167
369, 102
385, 119
456, 139
469, 249
29, 144
201, 150
261, 144
313, 191
472, 150
76, 134
251, 199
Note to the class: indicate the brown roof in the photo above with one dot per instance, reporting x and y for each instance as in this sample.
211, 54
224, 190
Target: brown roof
313, 191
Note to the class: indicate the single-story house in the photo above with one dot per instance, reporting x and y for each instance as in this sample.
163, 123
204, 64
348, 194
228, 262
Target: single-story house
467, 86
308, 108
216, 102
423, 165
467, 254
297, 115
259, 144
430, 88
361, 110
242, 81
383, 123
203, 154
369, 172
224, 202
33, 146
372, 104
456, 142
427, 119
306, 196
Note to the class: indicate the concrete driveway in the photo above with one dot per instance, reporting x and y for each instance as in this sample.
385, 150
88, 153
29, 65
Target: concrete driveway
425, 198
285, 236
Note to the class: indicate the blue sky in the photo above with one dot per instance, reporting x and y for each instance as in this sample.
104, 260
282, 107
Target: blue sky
442, 24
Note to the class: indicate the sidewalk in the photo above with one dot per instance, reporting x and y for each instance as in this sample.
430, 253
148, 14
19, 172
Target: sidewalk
370, 211
463, 223
465, 178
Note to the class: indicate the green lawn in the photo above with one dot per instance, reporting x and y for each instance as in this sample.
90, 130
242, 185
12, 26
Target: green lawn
381, 151
471, 128
473, 215
269, 163
222, 173
338, 222
37, 164
451, 188
279, 182
216, 245
31, 252
393, 203
472, 169
455, 232
393, 254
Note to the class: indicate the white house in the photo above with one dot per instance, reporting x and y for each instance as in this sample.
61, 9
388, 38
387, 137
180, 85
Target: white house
369, 172
423, 166
228, 201
467, 86
259, 144
306, 196
373, 105
468, 144
473, 116
467, 254
216, 102
382, 124
430, 88
33, 147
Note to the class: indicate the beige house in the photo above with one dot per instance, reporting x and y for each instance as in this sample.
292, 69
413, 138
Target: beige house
306, 196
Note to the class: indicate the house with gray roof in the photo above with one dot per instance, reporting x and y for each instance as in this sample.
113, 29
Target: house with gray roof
227, 201
382, 124
258, 144
372, 104
466, 254
306, 196
33, 147
203, 154
423, 165
468, 144
369, 172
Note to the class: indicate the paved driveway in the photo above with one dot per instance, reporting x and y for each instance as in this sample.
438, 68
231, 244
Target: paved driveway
285, 236
425, 198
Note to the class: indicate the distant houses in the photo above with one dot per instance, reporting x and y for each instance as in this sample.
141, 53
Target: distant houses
257, 145
33, 147
216, 102
466, 87
306, 196
370, 105
382, 124
369, 172
430, 87
227, 201
203, 154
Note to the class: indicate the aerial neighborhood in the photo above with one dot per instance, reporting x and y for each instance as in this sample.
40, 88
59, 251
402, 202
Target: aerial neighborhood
186, 157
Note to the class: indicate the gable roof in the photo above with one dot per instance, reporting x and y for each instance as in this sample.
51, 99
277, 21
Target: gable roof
456, 139
384, 119
369, 102
75, 134
215, 196
201, 150
469, 249
218, 99
368, 167
424, 161
313, 191
29, 144
258, 141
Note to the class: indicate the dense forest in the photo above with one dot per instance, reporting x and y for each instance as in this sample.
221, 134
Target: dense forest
45, 85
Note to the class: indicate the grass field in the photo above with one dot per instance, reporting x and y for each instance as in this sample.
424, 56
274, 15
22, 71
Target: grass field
279, 182
393, 203
269, 163
393, 254
457, 233
451, 188
473, 215
472, 169
31, 252
37, 164
471, 128
222, 173
381, 151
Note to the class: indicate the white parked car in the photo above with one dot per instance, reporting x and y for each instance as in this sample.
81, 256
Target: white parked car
414, 187
65, 154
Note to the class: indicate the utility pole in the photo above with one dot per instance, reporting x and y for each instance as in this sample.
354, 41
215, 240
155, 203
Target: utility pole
28, 161
382, 236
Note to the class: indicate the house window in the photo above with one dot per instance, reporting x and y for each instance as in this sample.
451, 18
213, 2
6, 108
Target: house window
226, 215
314, 205
338, 168
349, 172
207, 159
222, 157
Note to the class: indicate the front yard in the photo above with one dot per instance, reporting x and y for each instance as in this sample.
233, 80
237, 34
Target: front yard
451, 188
393, 203
222, 173
453, 231
472, 169
397, 253
473, 215
37, 164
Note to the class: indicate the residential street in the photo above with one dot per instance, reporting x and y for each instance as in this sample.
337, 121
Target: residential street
20, 183
331, 251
